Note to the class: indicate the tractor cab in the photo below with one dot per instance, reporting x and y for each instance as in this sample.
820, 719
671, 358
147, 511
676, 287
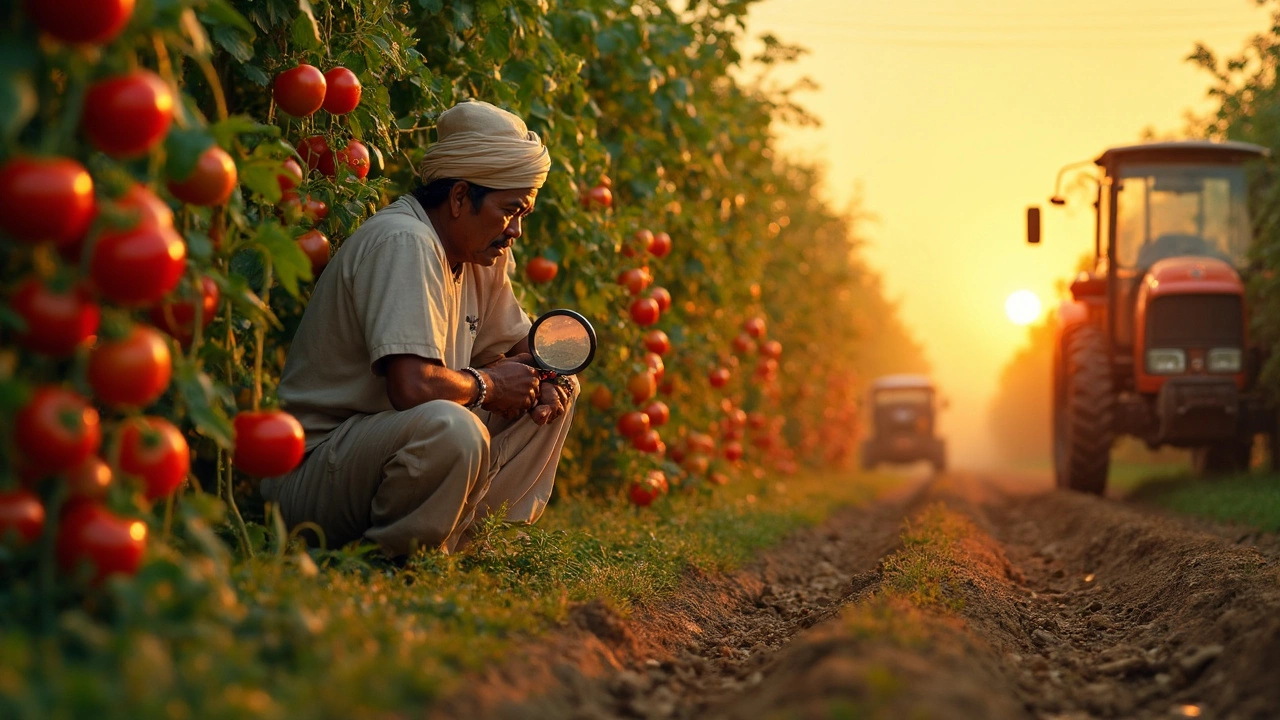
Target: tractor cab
903, 411
1153, 342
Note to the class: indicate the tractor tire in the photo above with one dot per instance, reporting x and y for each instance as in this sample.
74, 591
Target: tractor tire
1084, 408
1222, 457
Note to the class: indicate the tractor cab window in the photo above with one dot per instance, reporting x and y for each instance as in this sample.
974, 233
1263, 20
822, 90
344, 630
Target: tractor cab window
904, 396
1165, 211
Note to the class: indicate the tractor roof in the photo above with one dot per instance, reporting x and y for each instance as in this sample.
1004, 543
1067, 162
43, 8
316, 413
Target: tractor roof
902, 382
1190, 151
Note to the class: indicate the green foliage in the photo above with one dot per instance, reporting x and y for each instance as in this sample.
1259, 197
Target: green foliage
1252, 500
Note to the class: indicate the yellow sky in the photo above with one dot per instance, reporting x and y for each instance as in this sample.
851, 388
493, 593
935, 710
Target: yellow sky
952, 117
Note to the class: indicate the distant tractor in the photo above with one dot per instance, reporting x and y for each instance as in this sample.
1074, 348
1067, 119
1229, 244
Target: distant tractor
1154, 342
903, 418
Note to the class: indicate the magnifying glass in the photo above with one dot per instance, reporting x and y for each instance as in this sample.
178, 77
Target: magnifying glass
562, 342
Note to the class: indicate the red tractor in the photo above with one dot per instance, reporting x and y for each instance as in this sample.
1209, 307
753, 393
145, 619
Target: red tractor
1154, 341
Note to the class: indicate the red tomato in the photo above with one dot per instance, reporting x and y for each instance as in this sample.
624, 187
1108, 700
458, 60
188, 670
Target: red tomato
755, 326
268, 442
342, 91
142, 207
312, 210
733, 451
299, 91
644, 311
89, 480
658, 413
46, 200
643, 239
677, 453
771, 349
633, 424
81, 21
57, 322
316, 246
660, 245
179, 318
718, 478
737, 417
210, 183
316, 153
643, 492
598, 195
635, 280
647, 441
155, 451
696, 464
662, 297
89, 534
606, 181
127, 115
701, 443
132, 371
291, 176
657, 341
719, 377
56, 430
21, 516
541, 270
654, 362
766, 368
659, 479
138, 267
642, 386
743, 344
764, 442
355, 156
757, 421
601, 398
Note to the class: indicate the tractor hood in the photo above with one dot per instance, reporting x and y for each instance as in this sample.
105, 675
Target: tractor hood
1183, 275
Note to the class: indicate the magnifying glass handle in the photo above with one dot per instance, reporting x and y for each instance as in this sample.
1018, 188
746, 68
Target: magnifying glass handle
548, 374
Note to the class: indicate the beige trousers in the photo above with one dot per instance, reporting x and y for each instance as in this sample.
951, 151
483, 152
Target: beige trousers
421, 477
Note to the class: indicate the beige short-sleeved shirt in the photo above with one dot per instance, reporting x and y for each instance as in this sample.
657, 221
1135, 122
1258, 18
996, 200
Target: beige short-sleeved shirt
389, 291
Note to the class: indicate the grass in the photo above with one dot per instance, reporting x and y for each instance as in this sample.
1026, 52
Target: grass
1251, 499
341, 634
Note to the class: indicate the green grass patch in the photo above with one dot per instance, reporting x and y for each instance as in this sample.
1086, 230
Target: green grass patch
1248, 499
924, 570
342, 634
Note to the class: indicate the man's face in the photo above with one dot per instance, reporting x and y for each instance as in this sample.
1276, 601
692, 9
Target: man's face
479, 235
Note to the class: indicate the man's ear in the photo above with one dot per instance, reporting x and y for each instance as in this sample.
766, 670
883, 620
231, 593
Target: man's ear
458, 196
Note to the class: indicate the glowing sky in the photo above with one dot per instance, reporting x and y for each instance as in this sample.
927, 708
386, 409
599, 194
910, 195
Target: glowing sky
952, 117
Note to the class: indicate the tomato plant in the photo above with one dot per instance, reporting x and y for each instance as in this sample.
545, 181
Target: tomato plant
291, 176
643, 491
80, 21
139, 207
342, 91
178, 317
771, 349
46, 199
733, 451
662, 297
598, 196
647, 442
642, 386
210, 183
56, 322
658, 413
89, 480
657, 368
316, 246
132, 371
755, 327
601, 397
93, 536
743, 343
138, 267
633, 423
356, 157
127, 115
57, 429
21, 516
660, 246
154, 451
635, 280
656, 341
315, 152
299, 91
541, 270
269, 443
719, 377
645, 311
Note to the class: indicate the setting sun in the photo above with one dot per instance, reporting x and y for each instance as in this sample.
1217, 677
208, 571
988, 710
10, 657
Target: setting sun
1022, 307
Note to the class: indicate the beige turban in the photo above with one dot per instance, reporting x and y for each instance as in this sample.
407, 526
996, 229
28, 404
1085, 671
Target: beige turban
488, 146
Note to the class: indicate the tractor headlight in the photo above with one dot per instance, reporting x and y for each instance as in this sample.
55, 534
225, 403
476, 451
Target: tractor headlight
1225, 360
1166, 361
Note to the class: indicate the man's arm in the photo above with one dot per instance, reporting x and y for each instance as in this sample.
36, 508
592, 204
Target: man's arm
511, 387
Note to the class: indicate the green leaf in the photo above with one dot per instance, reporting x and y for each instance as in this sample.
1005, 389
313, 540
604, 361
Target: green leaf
288, 261
234, 43
227, 131
182, 151
306, 31
219, 12
204, 405
435, 7
18, 101
260, 177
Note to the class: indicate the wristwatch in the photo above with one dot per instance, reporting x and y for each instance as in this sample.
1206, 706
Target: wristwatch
484, 389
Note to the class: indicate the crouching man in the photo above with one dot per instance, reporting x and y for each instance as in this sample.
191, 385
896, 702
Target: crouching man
410, 370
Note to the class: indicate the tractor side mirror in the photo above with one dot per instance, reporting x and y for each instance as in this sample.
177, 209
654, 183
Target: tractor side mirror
1033, 225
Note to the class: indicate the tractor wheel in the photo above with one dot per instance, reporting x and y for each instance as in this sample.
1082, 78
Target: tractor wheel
1222, 457
1083, 409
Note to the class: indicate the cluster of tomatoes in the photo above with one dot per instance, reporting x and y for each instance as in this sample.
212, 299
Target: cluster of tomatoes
99, 259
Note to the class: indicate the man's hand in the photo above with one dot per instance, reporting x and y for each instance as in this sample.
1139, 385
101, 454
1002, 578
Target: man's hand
553, 401
513, 387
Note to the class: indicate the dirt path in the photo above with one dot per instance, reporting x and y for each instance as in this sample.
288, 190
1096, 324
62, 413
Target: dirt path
1068, 607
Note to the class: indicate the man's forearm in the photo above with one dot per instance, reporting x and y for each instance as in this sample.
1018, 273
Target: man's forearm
412, 381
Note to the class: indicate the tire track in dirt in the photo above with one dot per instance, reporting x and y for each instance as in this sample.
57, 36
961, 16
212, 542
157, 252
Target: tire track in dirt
1070, 607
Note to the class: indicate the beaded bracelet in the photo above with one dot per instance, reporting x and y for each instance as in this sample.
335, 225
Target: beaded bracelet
484, 389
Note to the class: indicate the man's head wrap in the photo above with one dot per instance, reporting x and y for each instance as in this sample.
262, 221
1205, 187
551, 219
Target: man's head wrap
488, 146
